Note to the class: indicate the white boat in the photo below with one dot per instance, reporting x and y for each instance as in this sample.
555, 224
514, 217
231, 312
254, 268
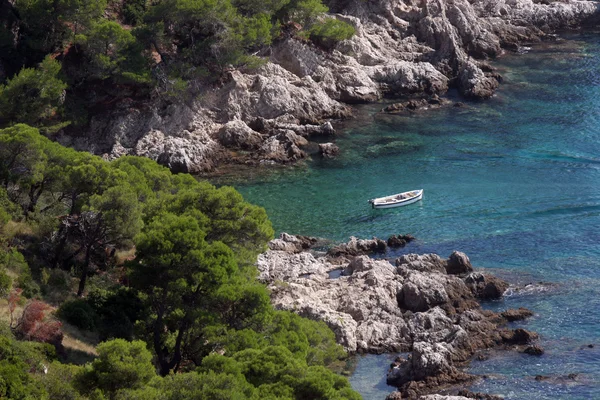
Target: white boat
397, 200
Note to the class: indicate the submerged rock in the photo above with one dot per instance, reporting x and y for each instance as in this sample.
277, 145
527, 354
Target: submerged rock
516, 315
396, 241
356, 247
328, 150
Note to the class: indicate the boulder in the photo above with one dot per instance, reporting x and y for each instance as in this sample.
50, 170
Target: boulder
534, 350
485, 287
192, 152
236, 134
518, 336
516, 315
355, 247
420, 262
426, 360
458, 263
328, 150
474, 83
283, 147
396, 241
421, 292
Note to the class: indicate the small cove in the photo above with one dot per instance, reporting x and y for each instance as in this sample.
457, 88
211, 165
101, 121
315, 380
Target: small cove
514, 182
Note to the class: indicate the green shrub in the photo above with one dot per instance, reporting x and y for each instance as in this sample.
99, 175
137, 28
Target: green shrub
30, 287
5, 283
329, 32
133, 11
78, 313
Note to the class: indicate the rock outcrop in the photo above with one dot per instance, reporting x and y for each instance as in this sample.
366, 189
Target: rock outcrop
423, 304
401, 48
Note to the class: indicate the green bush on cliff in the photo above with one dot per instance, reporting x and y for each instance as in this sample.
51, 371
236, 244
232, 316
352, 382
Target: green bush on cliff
329, 32
34, 96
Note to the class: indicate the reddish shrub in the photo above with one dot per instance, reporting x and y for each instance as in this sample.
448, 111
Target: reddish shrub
33, 325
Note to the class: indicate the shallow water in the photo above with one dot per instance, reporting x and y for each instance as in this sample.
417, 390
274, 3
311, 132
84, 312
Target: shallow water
514, 182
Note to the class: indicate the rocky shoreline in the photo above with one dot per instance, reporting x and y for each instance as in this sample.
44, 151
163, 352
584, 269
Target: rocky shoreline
424, 305
411, 49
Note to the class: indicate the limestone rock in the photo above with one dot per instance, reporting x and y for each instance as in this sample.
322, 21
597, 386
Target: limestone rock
283, 147
191, 152
420, 262
328, 150
292, 243
473, 82
236, 134
357, 246
277, 265
458, 263
516, 315
486, 287
421, 292
396, 241
375, 306
534, 350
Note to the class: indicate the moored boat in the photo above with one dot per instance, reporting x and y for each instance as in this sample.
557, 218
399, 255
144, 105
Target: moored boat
397, 200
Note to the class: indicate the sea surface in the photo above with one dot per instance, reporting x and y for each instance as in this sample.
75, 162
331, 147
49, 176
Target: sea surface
514, 182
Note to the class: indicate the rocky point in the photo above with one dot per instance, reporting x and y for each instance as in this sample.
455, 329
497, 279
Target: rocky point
421, 304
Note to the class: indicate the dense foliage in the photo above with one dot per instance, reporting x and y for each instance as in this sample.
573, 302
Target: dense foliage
161, 267
62, 61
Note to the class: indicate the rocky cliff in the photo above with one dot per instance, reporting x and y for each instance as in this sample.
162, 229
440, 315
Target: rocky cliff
421, 304
401, 48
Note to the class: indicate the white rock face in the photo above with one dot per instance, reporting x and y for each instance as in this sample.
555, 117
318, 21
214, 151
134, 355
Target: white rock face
415, 306
401, 47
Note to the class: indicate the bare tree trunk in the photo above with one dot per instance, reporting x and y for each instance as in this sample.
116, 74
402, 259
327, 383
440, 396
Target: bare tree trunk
84, 272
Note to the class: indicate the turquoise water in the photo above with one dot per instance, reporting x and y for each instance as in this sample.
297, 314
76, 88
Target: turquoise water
514, 182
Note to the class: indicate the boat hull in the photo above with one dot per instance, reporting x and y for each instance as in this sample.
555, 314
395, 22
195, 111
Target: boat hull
401, 203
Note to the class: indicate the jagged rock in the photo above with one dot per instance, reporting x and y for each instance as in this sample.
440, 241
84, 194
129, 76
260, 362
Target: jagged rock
473, 82
421, 292
516, 315
283, 147
325, 129
191, 152
518, 336
375, 307
292, 243
328, 150
423, 263
400, 48
236, 134
396, 241
458, 263
440, 397
486, 287
478, 395
274, 92
426, 359
356, 247
277, 265
534, 350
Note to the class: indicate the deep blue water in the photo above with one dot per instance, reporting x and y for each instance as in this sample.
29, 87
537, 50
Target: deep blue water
514, 182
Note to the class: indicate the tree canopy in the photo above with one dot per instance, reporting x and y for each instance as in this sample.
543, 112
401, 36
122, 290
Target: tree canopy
61, 61
187, 295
